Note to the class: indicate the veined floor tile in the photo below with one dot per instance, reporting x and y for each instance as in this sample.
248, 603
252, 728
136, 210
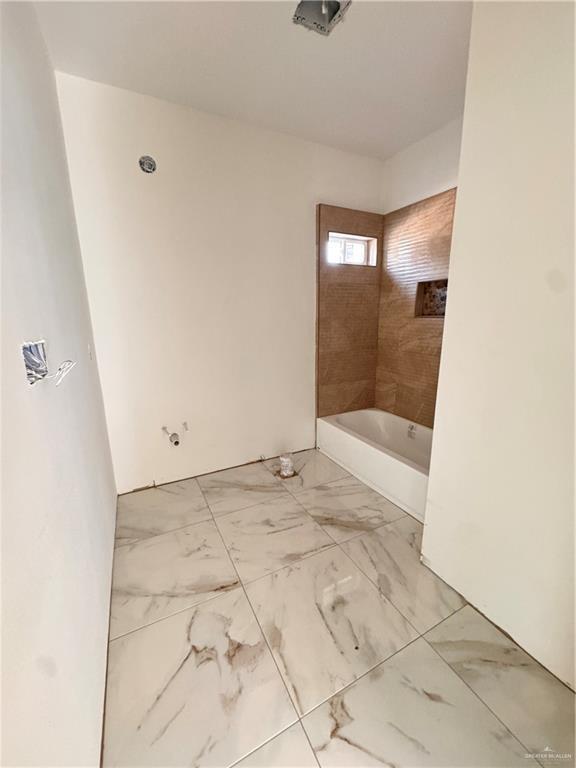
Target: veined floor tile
326, 624
159, 576
239, 487
312, 468
411, 711
198, 689
536, 707
347, 507
271, 535
390, 557
157, 510
290, 749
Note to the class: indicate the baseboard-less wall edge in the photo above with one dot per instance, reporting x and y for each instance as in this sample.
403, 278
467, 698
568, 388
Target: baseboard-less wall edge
108, 643
263, 457
426, 562
500, 512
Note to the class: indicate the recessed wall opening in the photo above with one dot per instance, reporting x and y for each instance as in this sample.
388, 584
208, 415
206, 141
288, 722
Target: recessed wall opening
431, 298
354, 250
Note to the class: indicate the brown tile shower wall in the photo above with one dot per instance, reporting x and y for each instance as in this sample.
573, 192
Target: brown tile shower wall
417, 243
347, 331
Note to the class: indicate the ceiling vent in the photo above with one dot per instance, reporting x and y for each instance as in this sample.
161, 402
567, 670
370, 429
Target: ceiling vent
320, 15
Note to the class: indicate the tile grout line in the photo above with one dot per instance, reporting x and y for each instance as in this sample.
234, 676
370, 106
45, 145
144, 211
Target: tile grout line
311, 516
391, 601
303, 509
208, 507
285, 489
305, 732
214, 520
420, 635
383, 661
241, 582
107, 665
380, 593
176, 613
244, 509
294, 498
360, 677
161, 486
241, 585
265, 640
301, 717
300, 559
510, 731
340, 544
288, 493
212, 517
162, 533
457, 610
336, 544
360, 533
209, 520
268, 741
400, 650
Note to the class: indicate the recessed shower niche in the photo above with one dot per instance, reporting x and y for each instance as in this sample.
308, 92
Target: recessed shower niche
431, 298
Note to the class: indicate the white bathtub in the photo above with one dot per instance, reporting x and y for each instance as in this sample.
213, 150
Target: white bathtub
375, 447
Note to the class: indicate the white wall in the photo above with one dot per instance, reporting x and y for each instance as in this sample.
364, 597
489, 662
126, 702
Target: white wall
423, 169
499, 519
201, 277
58, 494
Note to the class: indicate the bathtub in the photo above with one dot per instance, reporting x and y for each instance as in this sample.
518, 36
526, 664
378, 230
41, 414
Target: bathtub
388, 453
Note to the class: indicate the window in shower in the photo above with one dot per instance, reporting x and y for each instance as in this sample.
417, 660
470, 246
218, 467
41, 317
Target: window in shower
354, 250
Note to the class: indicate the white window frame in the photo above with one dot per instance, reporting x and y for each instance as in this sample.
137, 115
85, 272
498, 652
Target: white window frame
370, 245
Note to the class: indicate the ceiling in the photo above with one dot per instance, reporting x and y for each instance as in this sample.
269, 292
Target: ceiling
389, 74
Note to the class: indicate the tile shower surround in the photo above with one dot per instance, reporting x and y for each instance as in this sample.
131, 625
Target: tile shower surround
372, 349
347, 324
417, 242
260, 622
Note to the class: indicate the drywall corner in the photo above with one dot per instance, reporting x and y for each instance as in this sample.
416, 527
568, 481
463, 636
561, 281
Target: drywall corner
58, 491
423, 169
499, 523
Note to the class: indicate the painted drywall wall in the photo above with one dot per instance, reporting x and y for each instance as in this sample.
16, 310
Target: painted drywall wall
499, 517
58, 494
423, 169
201, 276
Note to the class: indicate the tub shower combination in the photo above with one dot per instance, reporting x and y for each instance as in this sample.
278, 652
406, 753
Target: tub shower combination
388, 453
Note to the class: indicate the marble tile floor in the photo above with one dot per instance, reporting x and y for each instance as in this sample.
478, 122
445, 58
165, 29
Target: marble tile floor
266, 623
